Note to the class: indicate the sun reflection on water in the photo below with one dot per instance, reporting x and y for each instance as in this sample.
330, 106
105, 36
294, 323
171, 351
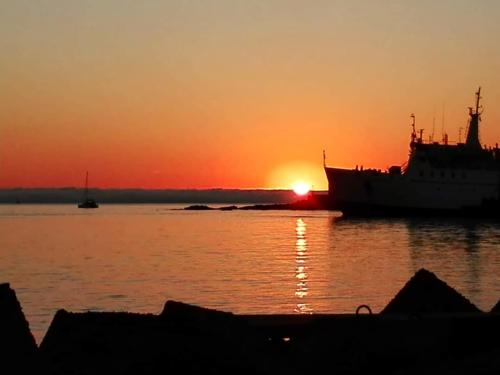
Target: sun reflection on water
301, 268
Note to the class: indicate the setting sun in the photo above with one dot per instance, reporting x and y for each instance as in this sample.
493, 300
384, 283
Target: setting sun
301, 188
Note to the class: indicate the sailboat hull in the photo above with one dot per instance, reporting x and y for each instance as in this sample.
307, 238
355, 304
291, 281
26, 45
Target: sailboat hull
89, 203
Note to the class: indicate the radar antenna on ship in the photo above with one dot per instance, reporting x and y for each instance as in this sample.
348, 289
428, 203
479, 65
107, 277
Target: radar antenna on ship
478, 98
475, 111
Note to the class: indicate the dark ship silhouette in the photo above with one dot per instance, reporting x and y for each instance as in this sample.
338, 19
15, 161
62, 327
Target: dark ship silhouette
439, 178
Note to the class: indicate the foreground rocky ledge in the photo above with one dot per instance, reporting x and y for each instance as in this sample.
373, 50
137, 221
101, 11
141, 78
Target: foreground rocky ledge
427, 328
17, 345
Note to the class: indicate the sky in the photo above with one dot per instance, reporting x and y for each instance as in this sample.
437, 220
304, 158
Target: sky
234, 94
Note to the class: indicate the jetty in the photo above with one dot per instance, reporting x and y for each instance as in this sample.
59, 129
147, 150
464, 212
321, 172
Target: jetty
428, 327
313, 202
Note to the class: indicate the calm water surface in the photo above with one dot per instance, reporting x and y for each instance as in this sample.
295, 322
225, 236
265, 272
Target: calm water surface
135, 257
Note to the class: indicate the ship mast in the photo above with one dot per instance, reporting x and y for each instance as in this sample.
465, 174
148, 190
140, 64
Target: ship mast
478, 97
413, 132
472, 139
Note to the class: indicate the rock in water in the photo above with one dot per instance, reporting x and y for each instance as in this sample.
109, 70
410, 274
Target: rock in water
496, 308
426, 293
17, 345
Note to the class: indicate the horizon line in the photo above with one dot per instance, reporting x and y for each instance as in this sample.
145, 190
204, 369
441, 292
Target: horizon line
151, 189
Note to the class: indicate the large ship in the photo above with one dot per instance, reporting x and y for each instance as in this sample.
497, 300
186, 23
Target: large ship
439, 178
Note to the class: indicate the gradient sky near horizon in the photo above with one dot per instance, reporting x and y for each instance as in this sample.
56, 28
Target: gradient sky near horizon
234, 94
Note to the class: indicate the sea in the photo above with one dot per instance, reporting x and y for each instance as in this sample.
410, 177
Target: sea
136, 257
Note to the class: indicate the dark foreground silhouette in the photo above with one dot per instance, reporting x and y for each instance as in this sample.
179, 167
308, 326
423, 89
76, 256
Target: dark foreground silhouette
427, 328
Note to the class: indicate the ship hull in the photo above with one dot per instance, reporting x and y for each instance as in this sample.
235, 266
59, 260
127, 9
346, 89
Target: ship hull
374, 193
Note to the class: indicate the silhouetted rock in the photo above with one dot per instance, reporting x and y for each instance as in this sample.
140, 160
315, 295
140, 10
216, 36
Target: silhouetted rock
17, 346
101, 343
189, 339
228, 208
484, 363
191, 317
314, 201
425, 293
377, 344
183, 339
198, 207
496, 309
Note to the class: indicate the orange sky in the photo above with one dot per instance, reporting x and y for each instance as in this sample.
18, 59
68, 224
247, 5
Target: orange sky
235, 94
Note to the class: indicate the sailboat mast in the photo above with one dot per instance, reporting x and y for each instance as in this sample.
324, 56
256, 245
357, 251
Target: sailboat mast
87, 202
87, 184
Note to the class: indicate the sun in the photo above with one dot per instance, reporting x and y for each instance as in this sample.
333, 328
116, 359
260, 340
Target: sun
301, 188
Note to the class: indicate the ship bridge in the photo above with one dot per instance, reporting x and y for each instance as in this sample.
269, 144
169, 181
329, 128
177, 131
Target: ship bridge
458, 156
468, 155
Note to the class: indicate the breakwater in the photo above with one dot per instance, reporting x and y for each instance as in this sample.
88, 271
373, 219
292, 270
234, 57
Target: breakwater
427, 327
313, 202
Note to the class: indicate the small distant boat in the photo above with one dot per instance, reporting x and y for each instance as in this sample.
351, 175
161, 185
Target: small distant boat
86, 201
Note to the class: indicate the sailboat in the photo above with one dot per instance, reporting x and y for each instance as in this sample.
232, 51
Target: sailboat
87, 202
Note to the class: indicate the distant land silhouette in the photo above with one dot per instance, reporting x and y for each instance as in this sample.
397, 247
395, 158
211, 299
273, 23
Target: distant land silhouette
73, 195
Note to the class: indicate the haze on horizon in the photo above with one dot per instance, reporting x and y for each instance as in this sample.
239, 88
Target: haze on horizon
234, 94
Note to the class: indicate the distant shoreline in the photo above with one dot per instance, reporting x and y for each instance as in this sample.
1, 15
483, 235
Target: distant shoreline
148, 196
